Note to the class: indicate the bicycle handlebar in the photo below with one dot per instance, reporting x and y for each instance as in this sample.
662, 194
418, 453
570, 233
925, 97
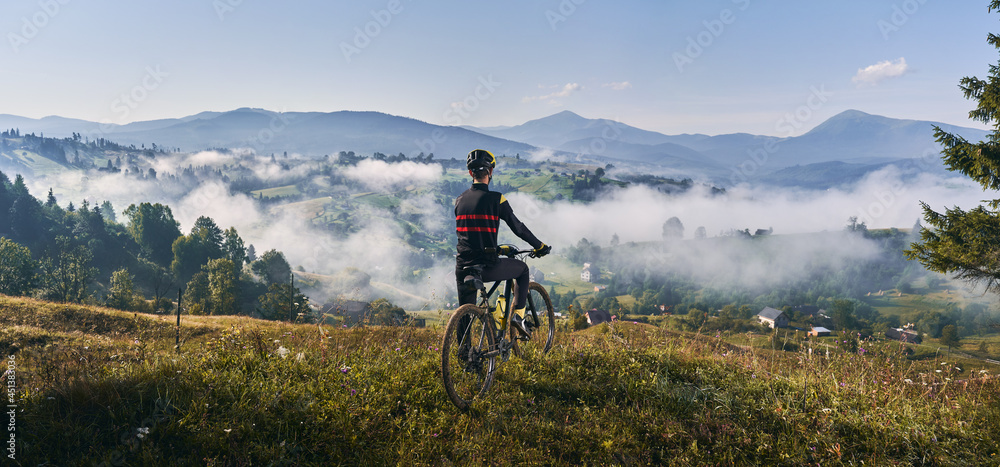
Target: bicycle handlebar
515, 252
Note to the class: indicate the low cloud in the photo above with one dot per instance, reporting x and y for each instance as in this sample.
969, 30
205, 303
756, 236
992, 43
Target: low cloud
382, 176
881, 71
566, 91
618, 86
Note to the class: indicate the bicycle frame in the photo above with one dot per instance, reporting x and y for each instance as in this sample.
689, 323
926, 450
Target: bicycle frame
484, 302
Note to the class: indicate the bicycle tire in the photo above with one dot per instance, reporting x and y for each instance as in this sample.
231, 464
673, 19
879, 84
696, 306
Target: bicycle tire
544, 334
468, 374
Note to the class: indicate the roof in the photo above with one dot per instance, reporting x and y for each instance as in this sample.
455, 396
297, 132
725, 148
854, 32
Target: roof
819, 329
599, 316
770, 313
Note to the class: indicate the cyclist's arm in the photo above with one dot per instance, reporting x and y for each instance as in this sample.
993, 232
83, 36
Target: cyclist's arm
519, 229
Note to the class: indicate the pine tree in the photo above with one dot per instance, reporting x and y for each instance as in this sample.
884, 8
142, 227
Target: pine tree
965, 242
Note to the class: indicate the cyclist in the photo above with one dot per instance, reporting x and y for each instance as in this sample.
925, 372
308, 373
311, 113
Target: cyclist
478, 212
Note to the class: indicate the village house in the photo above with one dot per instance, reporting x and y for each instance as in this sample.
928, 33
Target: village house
902, 335
598, 316
590, 273
536, 275
353, 312
819, 331
773, 318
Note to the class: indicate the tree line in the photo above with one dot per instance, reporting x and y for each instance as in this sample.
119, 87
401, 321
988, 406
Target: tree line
81, 254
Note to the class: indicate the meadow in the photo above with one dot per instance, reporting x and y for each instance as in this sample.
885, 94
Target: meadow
99, 386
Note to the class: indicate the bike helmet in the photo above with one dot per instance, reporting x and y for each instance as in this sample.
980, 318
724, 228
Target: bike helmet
480, 159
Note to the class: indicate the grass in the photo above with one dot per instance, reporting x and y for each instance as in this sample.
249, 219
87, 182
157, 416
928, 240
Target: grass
277, 192
96, 385
308, 209
38, 164
907, 306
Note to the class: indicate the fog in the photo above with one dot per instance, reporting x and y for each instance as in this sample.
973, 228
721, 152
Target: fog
379, 247
882, 199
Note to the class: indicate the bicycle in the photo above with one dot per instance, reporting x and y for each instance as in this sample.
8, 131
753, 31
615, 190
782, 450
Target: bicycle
473, 341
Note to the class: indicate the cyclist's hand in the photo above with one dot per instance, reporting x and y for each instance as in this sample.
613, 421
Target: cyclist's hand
506, 250
541, 251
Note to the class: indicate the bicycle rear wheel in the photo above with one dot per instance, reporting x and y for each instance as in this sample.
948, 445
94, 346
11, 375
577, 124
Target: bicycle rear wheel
543, 331
465, 368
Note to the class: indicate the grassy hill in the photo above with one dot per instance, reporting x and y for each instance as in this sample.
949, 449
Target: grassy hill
95, 385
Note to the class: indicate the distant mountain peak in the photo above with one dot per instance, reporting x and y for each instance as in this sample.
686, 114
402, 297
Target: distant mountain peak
851, 113
564, 117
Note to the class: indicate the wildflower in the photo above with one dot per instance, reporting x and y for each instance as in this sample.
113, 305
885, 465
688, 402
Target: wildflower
282, 352
277, 341
827, 410
397, 349
983, 372
937, 371
908, 381
227, 430
298, 357
141, 432
345, 369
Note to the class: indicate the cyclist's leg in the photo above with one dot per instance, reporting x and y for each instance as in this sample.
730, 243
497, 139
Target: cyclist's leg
466, 294
510, 268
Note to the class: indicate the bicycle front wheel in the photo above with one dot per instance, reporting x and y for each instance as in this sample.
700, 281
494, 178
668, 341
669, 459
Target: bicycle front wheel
465, 367
541, 318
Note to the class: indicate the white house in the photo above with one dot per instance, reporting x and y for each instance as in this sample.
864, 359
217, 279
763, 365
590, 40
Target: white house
773, 318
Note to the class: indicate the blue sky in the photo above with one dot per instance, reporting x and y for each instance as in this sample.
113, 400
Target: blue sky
714, 67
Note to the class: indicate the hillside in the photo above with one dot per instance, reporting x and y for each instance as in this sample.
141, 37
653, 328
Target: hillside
862, 140
94, 385
312, 134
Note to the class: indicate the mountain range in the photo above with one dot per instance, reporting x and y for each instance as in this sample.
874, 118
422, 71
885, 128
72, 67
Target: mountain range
839, 150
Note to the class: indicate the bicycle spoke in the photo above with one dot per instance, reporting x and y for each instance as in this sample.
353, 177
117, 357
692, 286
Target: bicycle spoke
541, 318
467, 370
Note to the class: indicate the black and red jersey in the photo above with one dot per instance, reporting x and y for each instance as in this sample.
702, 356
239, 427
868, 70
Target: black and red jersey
478, 213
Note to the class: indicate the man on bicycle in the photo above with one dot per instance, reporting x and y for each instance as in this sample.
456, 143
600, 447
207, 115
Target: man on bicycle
478, 213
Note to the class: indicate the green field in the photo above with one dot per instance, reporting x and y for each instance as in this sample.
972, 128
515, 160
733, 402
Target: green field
100, 386
39, 165
277, 192
907, 306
